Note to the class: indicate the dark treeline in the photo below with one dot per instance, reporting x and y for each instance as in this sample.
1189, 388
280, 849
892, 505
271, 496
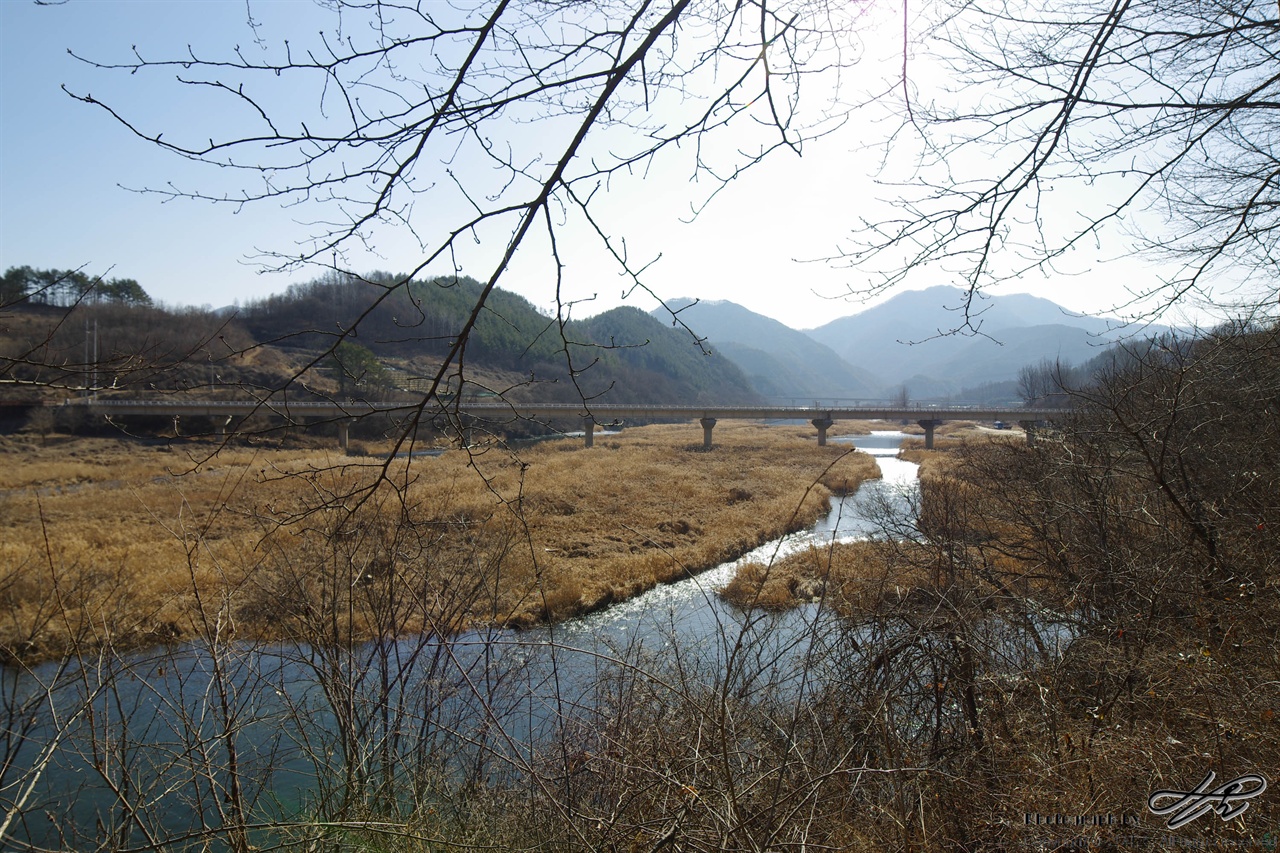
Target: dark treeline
110, 346
65, 288
67, 332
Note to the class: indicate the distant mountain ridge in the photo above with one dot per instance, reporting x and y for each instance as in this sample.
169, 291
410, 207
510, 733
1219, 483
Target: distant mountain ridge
782, 364
620, 355
908, 340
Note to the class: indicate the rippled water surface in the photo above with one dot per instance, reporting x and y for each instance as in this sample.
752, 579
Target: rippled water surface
515, 683
691, 613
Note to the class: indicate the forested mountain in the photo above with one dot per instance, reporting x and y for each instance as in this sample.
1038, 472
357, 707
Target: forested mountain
624, 354
352, 336
655, 363
419, 320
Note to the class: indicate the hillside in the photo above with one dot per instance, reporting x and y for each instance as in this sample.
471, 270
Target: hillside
346, 336
781, 363
623, 355
392, 340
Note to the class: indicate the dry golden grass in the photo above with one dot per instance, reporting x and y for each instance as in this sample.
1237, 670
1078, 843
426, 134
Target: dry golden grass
133, 543
870, 576
856, 576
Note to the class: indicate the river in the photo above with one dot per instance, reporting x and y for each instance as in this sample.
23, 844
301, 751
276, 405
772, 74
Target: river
170, 743
693, 607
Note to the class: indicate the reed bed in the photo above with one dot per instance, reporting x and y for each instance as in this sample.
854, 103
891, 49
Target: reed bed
888, 572
132, 544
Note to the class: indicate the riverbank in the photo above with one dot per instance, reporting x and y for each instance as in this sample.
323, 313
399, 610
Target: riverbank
895, 564
120, 544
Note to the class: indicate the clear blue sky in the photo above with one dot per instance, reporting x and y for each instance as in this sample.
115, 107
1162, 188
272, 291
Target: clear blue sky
64, 167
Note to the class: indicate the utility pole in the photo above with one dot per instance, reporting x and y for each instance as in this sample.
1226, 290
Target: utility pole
91, 357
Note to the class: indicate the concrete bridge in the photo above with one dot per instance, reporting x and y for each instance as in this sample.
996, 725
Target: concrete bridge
342, 413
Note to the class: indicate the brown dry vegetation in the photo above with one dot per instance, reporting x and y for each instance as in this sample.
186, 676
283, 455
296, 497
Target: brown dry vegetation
867, 576
138, 348
132, 543
1074, 625
1082, 621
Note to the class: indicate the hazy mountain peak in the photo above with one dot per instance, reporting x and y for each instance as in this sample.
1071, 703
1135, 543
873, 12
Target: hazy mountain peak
908, 338
781, 362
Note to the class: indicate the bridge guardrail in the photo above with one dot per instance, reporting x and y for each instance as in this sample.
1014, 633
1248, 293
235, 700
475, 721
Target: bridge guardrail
516, 408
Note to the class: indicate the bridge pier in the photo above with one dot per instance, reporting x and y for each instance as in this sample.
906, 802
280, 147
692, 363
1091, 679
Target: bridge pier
588, 431
928, 432
344, 434
708, 424
822, 425
1029, 427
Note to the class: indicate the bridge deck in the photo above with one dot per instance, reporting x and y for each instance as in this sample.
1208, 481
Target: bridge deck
822, 418
600, 413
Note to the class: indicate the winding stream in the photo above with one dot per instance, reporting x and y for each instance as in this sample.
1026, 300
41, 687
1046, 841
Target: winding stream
692, 606
162, 723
